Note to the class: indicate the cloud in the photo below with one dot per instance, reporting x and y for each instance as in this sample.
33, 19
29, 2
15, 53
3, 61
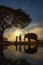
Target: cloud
35, 27
38, 31
32, 25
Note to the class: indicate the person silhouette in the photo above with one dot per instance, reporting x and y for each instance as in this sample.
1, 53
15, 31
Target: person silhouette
20, 43
20, 38
16, 42
16, 38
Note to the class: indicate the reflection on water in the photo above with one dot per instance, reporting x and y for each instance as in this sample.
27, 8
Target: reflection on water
36, 58
12, 53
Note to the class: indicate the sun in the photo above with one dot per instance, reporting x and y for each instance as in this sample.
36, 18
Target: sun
11, 36
18, 32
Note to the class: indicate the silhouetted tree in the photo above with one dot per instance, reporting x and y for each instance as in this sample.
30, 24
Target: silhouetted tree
12, 17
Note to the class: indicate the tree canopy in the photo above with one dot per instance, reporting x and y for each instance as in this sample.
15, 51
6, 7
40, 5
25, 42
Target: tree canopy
16, 17
13, 17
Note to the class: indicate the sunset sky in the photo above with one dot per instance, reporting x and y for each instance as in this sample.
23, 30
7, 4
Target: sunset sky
32, 7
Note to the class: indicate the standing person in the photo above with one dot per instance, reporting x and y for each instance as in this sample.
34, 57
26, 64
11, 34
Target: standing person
20, 43
20, 38
16, 38
16, 42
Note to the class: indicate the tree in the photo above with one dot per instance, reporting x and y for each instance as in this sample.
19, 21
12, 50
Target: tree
15, 17
12, 17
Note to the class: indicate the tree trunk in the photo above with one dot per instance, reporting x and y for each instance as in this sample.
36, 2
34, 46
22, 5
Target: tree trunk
1, 45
